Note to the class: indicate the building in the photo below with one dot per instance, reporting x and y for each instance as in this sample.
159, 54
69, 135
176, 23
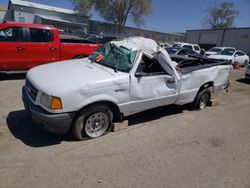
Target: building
110, 29
64, 19
3, 11
233, 37
72, 23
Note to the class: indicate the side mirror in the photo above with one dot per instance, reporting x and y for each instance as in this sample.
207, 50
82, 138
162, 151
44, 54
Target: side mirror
236, 55
171, 80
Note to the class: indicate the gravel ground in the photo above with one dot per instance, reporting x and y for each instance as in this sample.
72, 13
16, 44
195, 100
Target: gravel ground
164, 147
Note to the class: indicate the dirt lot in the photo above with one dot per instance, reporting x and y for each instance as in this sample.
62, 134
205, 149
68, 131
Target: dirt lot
164, 147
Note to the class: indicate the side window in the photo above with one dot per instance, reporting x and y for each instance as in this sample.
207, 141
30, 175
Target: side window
40, 35
237, 53
192, 52
150, 67
196, 48
241, 53
11, 34
187, 46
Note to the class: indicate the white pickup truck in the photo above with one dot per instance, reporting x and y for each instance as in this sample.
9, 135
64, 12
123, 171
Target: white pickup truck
121, 78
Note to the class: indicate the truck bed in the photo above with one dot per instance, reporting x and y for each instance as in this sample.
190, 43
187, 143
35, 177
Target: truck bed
193, 63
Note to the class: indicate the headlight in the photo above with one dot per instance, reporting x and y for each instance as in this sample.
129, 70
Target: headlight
45, 100
54, 103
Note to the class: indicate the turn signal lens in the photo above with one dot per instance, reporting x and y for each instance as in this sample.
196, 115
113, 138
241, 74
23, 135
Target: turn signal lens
56, 103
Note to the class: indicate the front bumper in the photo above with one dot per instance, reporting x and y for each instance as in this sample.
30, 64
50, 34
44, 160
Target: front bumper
55, 123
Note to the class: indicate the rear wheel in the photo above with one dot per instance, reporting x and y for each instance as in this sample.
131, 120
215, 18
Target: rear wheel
202, 99
93, 121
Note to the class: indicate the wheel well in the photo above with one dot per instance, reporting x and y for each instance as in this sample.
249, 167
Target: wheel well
113, 107
205, 86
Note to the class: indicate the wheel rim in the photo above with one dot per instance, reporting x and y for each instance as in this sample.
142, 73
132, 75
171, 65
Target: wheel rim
203, 101
96, 125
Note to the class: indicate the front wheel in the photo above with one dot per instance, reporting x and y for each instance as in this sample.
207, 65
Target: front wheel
93, 121
202, 99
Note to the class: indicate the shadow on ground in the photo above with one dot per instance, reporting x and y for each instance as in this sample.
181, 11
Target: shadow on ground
243, 80
155, 113
23, 128
20, 76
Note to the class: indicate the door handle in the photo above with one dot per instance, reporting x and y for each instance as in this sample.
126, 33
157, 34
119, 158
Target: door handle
52, 48
20, 48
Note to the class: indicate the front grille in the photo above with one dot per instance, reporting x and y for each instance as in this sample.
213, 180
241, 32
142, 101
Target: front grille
31, 90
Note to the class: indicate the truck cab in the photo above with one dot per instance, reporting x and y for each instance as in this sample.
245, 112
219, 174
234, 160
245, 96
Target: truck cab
24, 45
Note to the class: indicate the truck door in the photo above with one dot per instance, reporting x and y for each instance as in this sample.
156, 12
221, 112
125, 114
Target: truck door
12, 48
41, 47
151, 85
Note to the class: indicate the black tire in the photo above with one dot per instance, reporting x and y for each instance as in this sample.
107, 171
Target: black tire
84, 121
2, 76
202, 99
245, 63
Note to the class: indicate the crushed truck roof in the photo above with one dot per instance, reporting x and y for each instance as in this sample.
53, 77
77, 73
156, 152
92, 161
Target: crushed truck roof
139, 43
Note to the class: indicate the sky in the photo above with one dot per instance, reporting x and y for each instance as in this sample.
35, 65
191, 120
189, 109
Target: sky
173, 15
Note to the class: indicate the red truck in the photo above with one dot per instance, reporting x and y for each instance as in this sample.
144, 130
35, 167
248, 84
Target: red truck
24, 45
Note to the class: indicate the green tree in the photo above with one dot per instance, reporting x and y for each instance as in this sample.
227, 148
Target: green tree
221, 17
116, 11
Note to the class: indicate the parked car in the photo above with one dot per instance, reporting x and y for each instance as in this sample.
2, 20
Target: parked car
216, 50
24, 45
120, 79
187, 52
181, 51
233, 56
172, 50
248, 72
194, 47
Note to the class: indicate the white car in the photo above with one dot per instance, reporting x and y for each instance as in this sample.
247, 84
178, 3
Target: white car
216, 50
194, 47
232, 56
248, 72
119, 79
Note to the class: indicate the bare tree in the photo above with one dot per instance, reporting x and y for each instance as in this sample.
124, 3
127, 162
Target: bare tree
83, 7
117, 11
220, 17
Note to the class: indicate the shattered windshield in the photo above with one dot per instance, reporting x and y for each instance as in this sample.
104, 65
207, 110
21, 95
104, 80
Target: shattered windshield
117, 58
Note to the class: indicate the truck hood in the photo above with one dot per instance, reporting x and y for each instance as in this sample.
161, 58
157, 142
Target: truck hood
81, 73
210, 53
217, 56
